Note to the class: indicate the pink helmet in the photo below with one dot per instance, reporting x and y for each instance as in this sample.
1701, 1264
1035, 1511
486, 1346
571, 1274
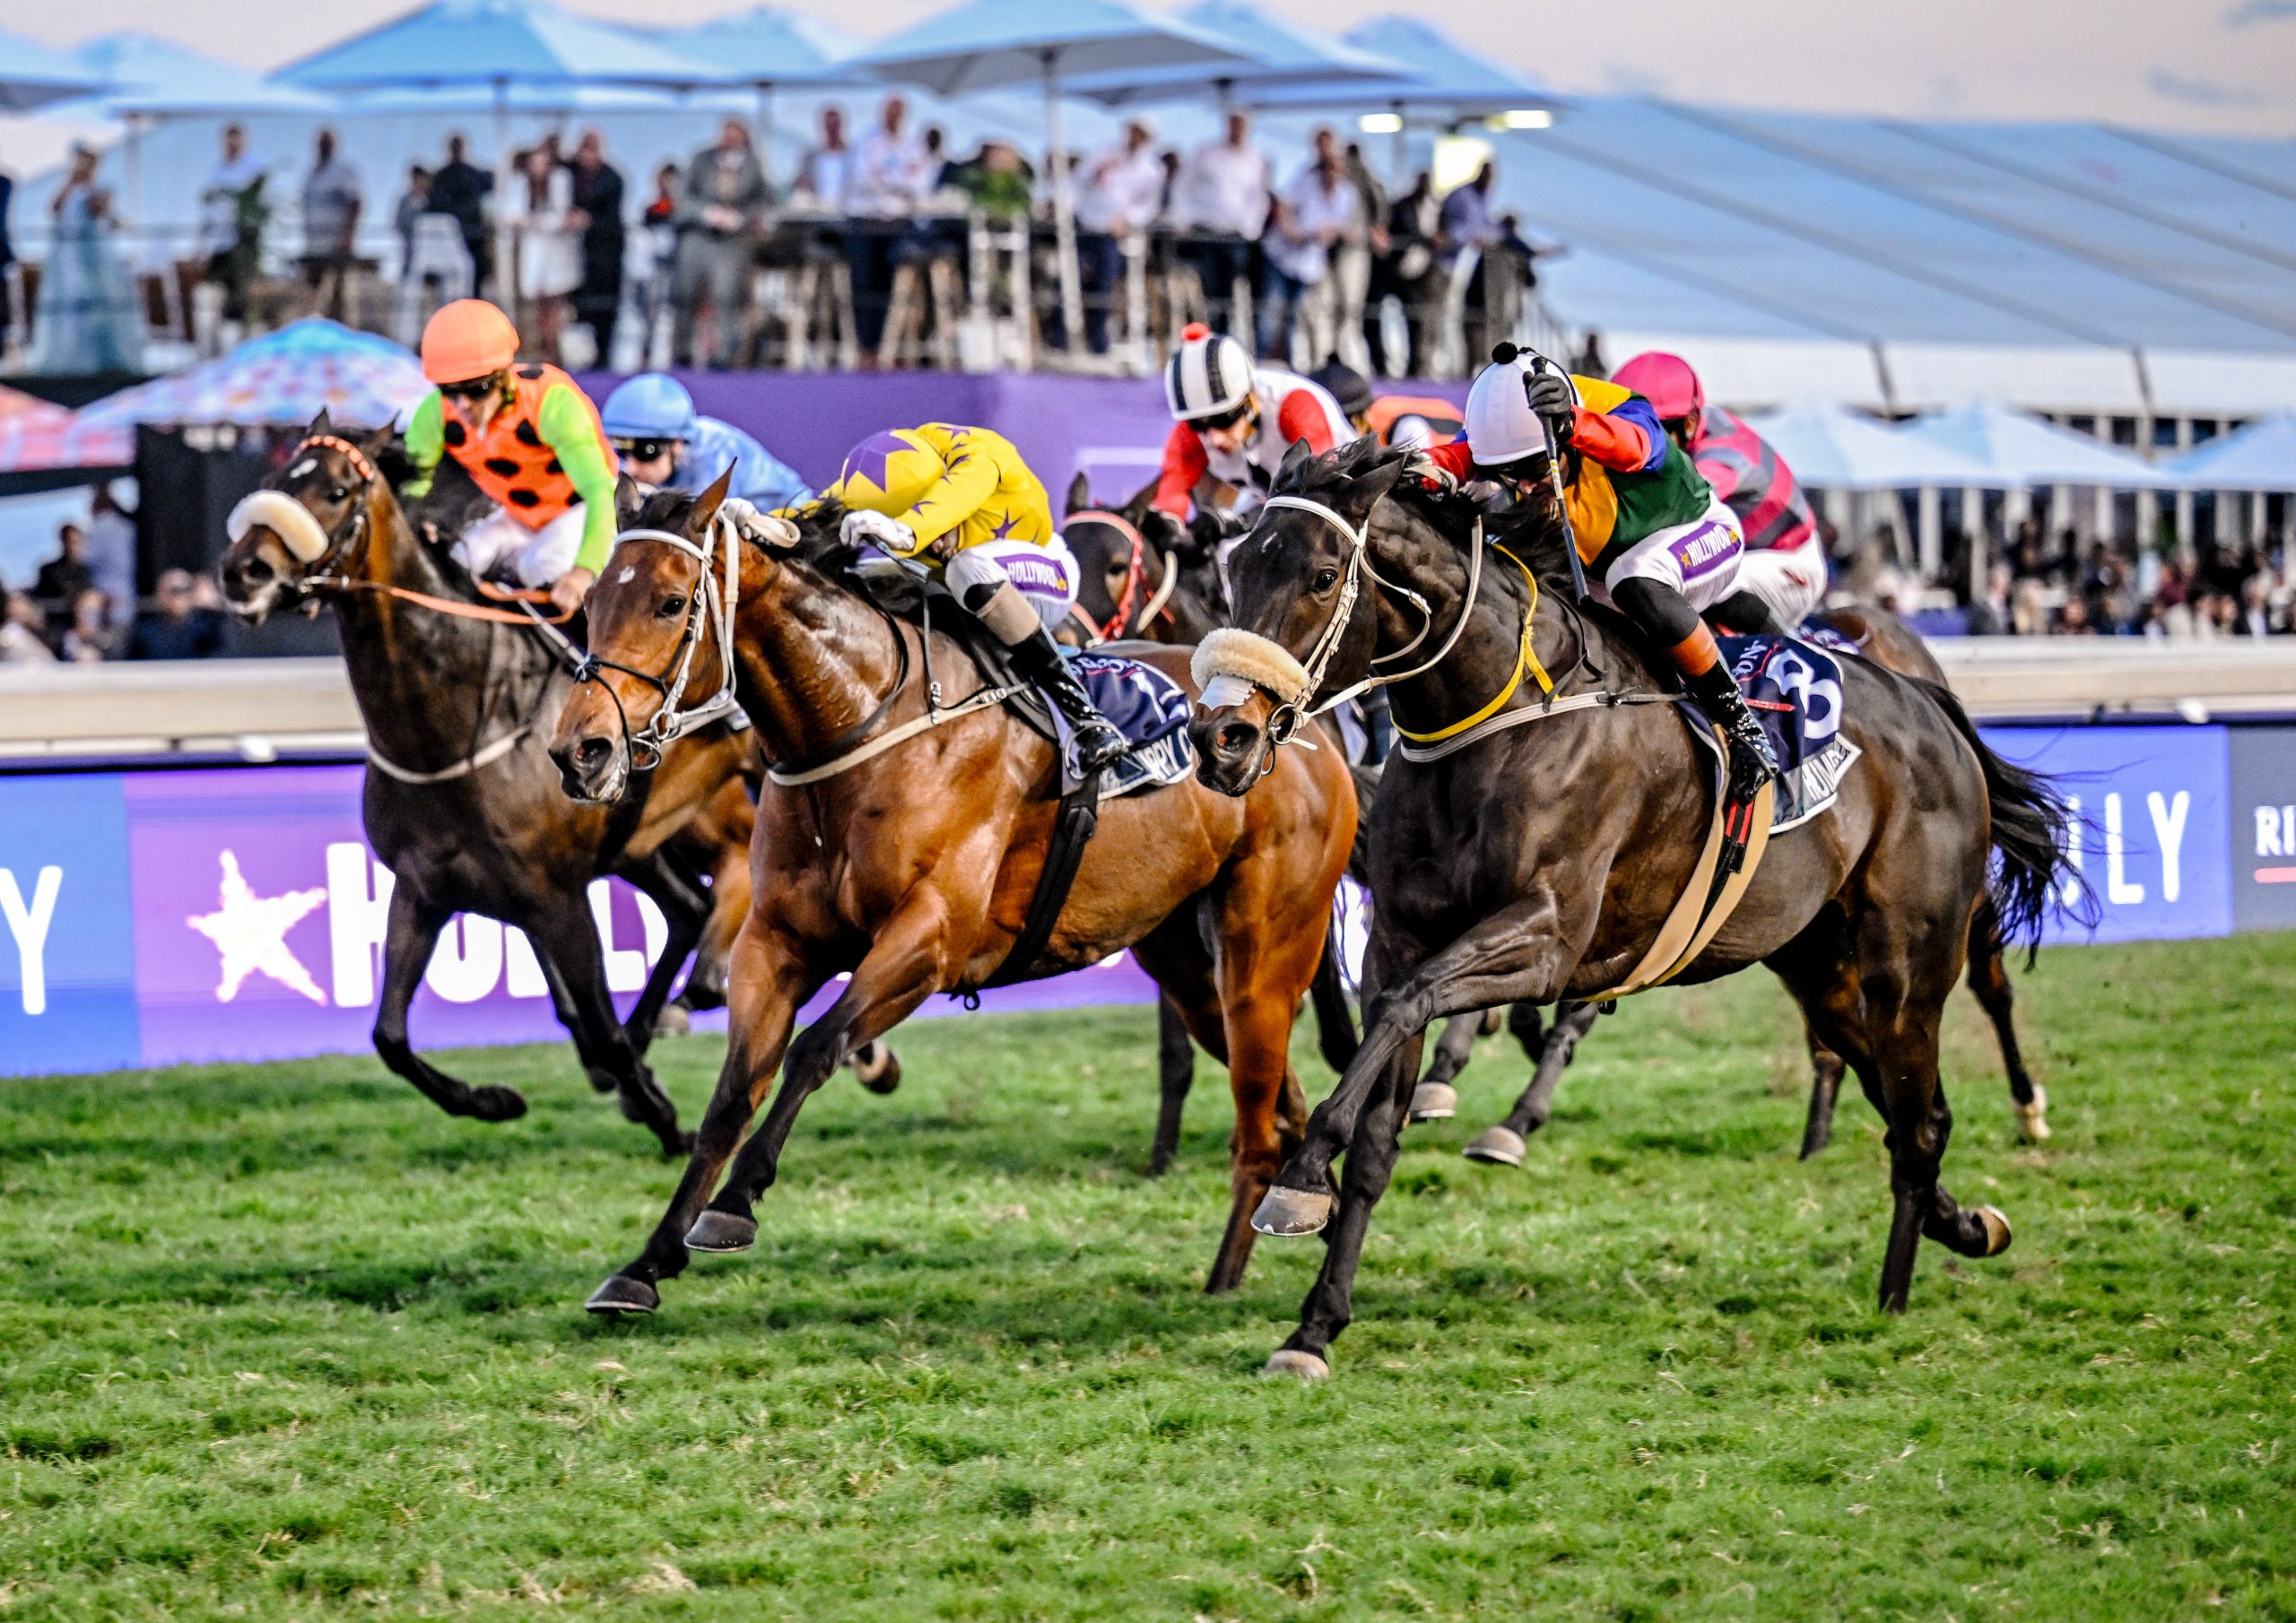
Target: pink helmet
1666, 381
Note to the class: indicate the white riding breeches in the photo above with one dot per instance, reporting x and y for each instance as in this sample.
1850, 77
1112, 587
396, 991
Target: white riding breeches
1044, 574
498, 545
1700, 560
1790, 581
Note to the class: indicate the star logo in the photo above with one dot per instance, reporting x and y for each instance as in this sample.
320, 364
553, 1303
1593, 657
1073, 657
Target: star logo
250, 932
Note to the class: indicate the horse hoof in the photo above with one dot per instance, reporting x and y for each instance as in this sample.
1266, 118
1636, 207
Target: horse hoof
1299, 1365
2032, 1120
1290, 1211
877, 1068
1997, 1234
1434, 1102
1499, 1146
716, 1230
497, 1104
672, 1021
623, 1295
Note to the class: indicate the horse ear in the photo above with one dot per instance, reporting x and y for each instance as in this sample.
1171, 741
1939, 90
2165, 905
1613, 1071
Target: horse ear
1378, 480
1295, 459
704, 512
323, 423
1080, 492
1143, 502
627, 498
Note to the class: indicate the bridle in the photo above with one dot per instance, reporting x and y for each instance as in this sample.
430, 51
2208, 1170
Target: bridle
1134, 574
710, 599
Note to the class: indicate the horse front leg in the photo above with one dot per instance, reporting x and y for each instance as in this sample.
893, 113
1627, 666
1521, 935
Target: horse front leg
565, 939
772, 980
412, 932
1175, 1076
1435, 1099
684, 901
1515, 954
906, 963
1506, 1144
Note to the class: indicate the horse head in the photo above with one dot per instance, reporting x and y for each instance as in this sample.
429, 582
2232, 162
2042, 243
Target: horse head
1306, 627
1121, 553
304, 520
652, 617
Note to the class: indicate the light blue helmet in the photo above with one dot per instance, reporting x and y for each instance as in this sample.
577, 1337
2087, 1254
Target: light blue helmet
648, 406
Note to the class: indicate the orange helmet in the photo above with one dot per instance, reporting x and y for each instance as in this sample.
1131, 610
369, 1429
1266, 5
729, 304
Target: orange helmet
468, 339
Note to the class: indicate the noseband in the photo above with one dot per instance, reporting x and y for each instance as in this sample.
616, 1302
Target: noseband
710, 600
291, 519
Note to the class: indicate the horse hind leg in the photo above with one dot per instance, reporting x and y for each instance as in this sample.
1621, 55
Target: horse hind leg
1988, 979
676, 889
1175, 1076
1435, 1099
1506, 1144
573, 966
1826, 1071
412, 933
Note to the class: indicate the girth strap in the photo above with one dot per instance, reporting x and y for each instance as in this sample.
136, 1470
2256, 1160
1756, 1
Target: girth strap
1072, 828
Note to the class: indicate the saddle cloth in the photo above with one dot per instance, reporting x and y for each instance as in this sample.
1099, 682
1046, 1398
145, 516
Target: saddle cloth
1148, 707
1795, 690
1819, 635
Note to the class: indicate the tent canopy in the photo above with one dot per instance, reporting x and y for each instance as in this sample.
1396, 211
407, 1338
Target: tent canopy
768, 46
1427, 72
33, 76
994, 44
490, 41
279, 380
2261, 457
145, 73
2019, 452
1281, 52
1829, 448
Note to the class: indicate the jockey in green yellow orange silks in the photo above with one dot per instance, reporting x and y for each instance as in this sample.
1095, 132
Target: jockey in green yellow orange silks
962, 501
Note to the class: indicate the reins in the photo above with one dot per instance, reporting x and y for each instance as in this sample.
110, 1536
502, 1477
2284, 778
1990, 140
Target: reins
709, 600
1135, 570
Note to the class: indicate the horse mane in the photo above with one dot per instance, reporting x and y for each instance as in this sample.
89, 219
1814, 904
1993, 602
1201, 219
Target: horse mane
820, 547
1530, 530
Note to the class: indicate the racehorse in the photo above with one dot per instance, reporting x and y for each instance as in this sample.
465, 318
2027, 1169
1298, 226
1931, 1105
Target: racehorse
1537, 860
1125, 557
461, 800
902, 845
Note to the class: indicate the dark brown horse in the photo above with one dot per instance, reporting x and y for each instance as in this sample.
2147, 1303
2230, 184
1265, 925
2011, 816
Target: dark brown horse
464, 705
1535, 863
906, 854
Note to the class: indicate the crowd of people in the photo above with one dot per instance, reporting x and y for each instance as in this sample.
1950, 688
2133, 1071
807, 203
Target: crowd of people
83, 608
2066, 589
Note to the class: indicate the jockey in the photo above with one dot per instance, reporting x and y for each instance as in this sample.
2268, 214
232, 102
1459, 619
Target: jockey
530, 440
1235, 421
963, 499
1662, 545
1392, 419
664, 442
1782, 578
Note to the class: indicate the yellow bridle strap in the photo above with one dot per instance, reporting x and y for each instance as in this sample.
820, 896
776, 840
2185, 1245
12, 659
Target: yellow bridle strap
1527, 661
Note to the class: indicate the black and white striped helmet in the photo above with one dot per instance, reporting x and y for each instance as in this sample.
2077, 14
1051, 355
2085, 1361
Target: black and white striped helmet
1210, 375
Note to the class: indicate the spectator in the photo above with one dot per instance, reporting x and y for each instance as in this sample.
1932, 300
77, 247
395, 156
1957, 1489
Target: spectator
1403, 269
460, 190
1350, 260
725, 195
112, 546
598, 210
1223, 199
1317, 212
826, 171
2072, 618
332, 201
1991, 610
996, 180
7, 258
187, 623
1117, 195
87, 320
937, 163
23, 633
2255, 616
1467, 221
1589, 361
658, 226
88, 637
888, 178
232, 211
412, 203
65, 577
550, 244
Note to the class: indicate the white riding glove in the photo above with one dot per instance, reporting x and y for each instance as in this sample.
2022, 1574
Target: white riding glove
862, 527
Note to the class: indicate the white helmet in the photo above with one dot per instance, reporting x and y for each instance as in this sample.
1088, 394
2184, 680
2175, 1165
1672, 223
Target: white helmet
1210, 375
1501, 426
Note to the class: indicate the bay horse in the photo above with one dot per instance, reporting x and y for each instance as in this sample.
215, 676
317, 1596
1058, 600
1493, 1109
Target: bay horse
461, 800
902, 845
1125, 555
1535, 863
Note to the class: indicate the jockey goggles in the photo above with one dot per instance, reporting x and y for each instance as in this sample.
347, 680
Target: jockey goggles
472, 388
1224, 420
646, 450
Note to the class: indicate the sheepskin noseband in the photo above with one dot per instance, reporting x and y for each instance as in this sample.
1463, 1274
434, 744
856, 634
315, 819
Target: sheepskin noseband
1255, 661
289, 519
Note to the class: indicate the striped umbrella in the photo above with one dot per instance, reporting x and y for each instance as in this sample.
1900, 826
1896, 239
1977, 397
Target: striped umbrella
37, 436
279, 380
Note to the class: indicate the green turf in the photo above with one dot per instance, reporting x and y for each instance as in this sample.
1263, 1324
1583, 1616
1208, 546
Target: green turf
282, 1340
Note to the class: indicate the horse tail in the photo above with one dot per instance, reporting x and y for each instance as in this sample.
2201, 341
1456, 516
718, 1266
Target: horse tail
2033, 870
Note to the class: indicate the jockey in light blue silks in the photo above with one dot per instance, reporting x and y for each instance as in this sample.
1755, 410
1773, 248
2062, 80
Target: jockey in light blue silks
663, 441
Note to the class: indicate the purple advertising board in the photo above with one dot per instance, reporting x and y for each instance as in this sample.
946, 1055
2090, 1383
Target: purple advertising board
158, 917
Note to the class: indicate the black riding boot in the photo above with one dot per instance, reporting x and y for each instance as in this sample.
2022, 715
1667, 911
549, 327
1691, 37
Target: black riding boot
1038, 658
1752, 762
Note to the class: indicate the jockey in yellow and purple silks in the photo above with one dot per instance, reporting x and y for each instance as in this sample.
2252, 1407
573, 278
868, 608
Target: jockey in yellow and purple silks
961, 500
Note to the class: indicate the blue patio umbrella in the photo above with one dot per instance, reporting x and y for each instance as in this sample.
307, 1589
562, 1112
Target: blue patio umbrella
766, 49
32, 75
987, 45
144, 74
1282, 54
2261, 457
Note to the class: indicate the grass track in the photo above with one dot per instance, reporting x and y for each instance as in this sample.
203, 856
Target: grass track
282, 1340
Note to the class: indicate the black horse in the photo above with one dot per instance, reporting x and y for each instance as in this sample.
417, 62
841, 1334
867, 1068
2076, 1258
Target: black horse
1538, 862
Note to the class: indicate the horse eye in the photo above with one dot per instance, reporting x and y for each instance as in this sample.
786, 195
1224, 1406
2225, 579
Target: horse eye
341, 492
671, 606
1326, 579
1116, 571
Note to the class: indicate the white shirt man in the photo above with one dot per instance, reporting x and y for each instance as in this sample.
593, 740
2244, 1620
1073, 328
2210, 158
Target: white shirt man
1123, 186
1224, 186
889, 171
219, 208
1320, 208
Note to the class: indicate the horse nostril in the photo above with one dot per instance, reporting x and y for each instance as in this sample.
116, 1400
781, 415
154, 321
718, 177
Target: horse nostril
1236, 737
255, 571
591, 753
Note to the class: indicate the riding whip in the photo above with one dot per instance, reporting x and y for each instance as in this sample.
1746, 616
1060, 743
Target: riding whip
1562, 498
